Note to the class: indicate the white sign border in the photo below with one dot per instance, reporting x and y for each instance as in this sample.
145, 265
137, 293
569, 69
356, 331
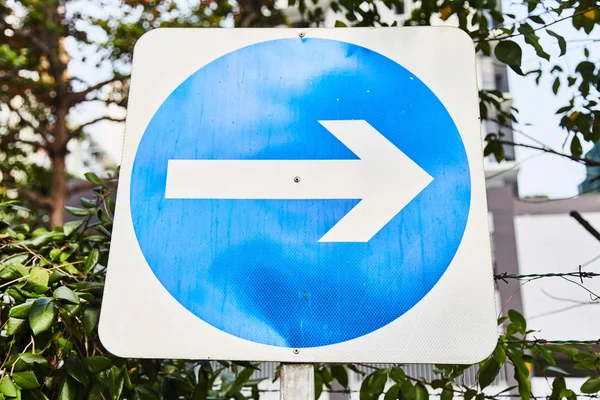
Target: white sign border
454, 323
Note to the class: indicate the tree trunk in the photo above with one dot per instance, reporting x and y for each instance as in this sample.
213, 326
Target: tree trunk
58, 189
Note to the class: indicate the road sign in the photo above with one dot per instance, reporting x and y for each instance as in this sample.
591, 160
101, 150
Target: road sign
302, 195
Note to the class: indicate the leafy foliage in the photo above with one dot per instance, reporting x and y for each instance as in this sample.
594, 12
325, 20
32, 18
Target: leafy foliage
51, 284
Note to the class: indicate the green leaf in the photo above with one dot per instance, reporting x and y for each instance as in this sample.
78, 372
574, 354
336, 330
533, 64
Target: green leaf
365, 393
66, 294
25, 361
20, 311
518, 319
439, 383
327, 377
340, 24
524, 383
240, 380
556, 85
537, 19
556, 369
421, 392
488, 372
201, 389
91, 316
548, 356
318, 385
111, 205
447, 394
39, 276
558, 385
42, 315
7, 387
74, 368
92, 177
26, 380
569, 350
576, 149
72, 226
43, 239
378, 383
91, 260
13, 271
126, 377
16, 259
592, 385
499, 354
509, 53
79, 212
87, 203
392, 392
397, 374
34, 395
15, 325
144, 392
340, 374
116, 381
68, 390
408, 390
562, 43
96, 364
534, 40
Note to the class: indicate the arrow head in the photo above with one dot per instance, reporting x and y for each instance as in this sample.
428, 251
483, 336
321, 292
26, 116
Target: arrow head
390, 178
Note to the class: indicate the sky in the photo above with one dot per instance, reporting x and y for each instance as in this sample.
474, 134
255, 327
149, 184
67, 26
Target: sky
547, 174
539, 174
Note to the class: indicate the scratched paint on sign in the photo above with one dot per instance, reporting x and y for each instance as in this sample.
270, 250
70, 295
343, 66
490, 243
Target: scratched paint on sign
255, 268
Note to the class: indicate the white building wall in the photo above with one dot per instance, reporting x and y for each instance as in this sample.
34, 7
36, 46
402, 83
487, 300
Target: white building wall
554, 243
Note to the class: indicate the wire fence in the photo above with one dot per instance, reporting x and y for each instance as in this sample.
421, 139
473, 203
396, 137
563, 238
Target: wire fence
580, 274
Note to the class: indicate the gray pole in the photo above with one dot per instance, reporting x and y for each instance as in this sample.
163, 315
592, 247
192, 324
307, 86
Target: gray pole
297, 382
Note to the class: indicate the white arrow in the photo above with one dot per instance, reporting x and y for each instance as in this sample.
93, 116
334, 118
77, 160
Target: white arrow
384, 178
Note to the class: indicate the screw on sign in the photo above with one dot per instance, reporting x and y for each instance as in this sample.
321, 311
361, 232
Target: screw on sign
302, 196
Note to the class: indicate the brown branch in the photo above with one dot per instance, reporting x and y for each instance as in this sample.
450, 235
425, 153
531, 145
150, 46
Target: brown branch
25, 120
85, 185
585, 161
78, 97
35, 145
541, 27
39, 199
80, 187
585, 224
79, 130
25, 35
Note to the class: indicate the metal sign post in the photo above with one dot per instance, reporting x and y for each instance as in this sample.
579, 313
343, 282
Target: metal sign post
297, 382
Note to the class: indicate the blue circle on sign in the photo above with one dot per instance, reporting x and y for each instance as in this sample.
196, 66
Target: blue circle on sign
255, 268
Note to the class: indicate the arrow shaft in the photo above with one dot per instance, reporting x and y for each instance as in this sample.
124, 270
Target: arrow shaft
383, 177
268, 179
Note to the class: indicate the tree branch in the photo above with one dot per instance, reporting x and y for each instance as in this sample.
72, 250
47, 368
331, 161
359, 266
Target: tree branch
79, 130
25, 35
27, 122
78, 97
585, 161
539, 28
83, 186
34, 144
37, 198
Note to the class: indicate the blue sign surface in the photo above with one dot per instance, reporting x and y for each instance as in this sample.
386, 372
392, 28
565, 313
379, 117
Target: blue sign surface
255, 268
